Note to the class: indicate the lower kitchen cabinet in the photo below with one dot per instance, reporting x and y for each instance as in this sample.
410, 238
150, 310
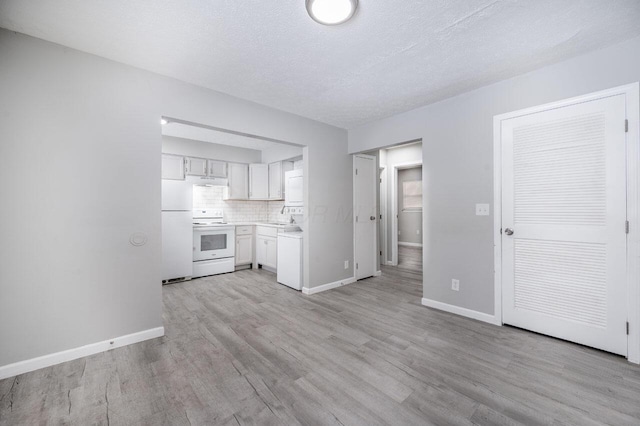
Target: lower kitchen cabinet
244, 249
267, 251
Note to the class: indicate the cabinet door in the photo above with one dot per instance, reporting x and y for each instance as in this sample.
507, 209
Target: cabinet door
272, 253
172, 167
261, 250
275, 181
196, 166
258, 181
238, 181
217, 169
244, 249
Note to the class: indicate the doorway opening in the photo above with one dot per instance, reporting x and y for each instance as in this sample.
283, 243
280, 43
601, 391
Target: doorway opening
398, 187
232, 201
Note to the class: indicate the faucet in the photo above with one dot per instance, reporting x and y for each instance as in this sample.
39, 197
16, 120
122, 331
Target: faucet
282, 209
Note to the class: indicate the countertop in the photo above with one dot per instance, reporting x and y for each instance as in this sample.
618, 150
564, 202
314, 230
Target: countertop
268, 224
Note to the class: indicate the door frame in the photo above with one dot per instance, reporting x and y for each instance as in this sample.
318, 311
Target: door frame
632, 94
376, 186
394, 206
383, 210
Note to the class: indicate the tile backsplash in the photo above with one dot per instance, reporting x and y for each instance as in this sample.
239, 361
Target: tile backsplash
210, 197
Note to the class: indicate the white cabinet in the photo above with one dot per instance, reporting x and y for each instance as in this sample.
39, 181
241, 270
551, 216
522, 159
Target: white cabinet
244, 249
258, 181
238, 188
294, 188
196, 166
173, 167
267, 251
275, 181
217, 169
267, 247
276, 178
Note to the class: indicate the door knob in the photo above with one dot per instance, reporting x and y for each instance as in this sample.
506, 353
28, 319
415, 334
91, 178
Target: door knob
508, 231
372, 218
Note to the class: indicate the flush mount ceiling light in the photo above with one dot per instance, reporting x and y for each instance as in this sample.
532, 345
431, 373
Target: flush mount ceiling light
331, 12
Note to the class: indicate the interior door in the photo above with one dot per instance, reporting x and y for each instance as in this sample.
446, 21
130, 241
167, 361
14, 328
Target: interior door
564, 223
365, 183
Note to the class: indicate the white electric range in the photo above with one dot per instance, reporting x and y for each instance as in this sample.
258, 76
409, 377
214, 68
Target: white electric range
213, 244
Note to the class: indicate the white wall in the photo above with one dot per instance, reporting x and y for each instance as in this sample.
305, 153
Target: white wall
279, 153
457, 136
80, 172
214, 151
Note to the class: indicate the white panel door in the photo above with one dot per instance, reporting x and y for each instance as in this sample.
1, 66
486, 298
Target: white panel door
564, 219
365, 183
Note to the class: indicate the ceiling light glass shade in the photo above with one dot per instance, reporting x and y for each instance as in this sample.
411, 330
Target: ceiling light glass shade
331, 12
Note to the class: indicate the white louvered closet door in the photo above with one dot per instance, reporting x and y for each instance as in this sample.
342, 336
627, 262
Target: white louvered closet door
564, 197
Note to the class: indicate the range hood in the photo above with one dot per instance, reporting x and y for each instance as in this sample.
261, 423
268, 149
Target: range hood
207, 181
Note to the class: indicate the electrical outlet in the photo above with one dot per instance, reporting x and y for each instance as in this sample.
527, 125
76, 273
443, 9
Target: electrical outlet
417, 232
455, 285
346, 264
482, 209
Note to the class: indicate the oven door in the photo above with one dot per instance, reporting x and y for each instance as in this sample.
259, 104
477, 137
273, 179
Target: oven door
213, 243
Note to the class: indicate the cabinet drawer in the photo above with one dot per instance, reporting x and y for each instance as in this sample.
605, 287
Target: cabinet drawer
244, 230
267, 231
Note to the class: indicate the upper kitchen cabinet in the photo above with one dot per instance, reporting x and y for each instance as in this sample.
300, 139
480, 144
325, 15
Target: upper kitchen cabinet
217, 169
276, 179
258, 181
196, 166
173, 167
238, 175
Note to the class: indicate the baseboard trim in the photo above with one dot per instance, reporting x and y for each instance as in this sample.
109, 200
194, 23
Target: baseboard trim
401, 243
325, 287
28, 365
480, 316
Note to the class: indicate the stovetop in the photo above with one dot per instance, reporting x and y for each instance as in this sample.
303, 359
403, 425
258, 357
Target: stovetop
207, 217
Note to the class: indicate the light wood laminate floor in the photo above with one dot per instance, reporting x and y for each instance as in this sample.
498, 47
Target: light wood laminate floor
241, 349
410, 258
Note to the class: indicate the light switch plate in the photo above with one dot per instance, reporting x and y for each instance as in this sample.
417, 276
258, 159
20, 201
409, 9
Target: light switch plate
455, 285
482, 209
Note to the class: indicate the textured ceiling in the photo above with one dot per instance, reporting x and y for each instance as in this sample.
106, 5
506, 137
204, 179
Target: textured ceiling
392, 57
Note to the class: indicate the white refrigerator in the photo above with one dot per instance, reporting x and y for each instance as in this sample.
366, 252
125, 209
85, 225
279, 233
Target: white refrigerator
177, 229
